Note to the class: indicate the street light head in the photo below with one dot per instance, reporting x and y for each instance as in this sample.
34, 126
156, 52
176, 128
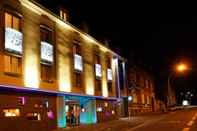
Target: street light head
181, 67
130, 98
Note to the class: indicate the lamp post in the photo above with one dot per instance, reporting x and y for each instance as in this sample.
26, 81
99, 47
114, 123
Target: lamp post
130, 98
180, 68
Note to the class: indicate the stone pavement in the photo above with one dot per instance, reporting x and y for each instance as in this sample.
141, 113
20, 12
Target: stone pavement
117, 125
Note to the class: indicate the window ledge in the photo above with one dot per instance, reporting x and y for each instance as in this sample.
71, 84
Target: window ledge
48, 81
12, 74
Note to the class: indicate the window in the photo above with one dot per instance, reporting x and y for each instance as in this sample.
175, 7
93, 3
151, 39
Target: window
13, 44
46, 34
21, 100
63, 14
109, 85
77, 80
11, 112
97, 59
78, 66
33, 116
98, 85
98, 70
12, 64
121, 75
98, 73
109, 63
46, 73
109, 70
109, 75
12, 21
46, 54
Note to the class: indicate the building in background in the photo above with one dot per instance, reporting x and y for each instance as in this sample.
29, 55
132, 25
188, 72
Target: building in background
52, 75
141, 89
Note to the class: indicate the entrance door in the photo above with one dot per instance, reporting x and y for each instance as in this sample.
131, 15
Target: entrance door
72, 113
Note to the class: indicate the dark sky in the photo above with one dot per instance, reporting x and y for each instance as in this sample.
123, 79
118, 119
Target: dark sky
151, 34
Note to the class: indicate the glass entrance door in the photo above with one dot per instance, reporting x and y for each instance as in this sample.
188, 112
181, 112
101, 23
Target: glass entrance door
72, 114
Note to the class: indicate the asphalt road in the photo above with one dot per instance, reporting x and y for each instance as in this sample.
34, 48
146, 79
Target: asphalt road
183, 120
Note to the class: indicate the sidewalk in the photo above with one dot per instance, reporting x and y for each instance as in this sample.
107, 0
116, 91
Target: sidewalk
116, 125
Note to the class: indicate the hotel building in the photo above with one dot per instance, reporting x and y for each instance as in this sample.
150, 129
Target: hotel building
52, 75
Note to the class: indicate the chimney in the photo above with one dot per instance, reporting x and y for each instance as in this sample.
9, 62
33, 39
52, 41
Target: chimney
106, 42
63, 13
84, 27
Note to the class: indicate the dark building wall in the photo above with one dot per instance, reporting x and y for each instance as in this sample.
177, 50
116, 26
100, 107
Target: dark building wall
142, 90
107, 108
34, 103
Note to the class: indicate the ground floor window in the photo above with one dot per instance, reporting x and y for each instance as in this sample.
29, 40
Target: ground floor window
72, 114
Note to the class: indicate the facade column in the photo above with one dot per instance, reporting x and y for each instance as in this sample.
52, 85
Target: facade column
61, 114
104, 76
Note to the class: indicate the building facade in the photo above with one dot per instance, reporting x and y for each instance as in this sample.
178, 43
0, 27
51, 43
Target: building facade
141, 90
52, 75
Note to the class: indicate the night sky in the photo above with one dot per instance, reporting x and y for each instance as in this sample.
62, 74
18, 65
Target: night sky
151, 35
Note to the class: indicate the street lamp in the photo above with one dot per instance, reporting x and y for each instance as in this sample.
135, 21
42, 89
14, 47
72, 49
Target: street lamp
180, 68
130, 98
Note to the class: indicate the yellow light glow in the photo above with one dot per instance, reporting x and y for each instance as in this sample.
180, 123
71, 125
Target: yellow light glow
64, 74
104, 49
89, 81
105, 91
11, 112
114, 65
88, 38
41, 11
89, 86
31, 72
181, 67
106, 104
104, 84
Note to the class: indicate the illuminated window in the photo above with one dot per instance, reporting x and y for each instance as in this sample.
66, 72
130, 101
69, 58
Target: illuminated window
13, 44
21, 100
11, 112
12, 64
142, 98
33, 116
12, 21
46, 54
99, 109
98, 70
46, 72
78, 66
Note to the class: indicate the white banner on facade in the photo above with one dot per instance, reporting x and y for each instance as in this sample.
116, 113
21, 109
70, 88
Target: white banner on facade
109, 74
46, 52
98, 70
13, 40
78, 65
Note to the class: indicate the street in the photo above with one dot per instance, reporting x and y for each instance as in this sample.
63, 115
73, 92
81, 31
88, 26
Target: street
184, 120
181, 120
